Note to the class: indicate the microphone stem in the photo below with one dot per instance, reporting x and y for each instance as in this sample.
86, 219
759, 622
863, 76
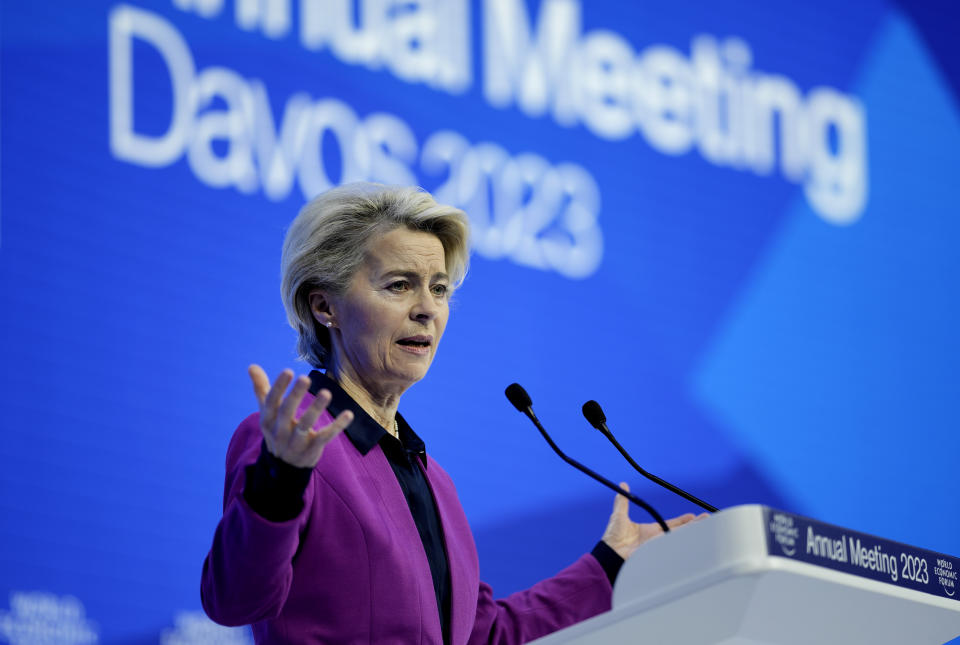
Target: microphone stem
682, 493
606, 482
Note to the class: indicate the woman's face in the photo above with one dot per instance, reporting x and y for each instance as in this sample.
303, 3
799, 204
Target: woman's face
387, 325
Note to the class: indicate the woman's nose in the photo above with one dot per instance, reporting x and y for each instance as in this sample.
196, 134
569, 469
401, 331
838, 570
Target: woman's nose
425, 308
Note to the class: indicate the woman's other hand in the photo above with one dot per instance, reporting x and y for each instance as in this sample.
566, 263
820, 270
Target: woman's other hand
292, 439
624, 535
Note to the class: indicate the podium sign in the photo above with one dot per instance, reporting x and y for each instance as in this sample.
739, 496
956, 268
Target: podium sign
825, 545
750, 575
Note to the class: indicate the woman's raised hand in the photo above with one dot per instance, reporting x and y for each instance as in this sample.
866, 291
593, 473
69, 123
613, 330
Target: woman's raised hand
292, 439
623, 535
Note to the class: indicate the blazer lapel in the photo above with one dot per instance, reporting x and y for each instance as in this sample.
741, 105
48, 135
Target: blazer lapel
397, 515
461, 554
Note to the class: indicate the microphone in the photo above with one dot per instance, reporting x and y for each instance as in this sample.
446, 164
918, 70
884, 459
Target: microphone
521, 401
594, 414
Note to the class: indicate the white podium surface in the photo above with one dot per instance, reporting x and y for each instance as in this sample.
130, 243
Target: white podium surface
750, 575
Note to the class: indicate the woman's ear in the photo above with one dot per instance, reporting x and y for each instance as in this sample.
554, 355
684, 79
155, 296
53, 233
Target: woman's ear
321, 309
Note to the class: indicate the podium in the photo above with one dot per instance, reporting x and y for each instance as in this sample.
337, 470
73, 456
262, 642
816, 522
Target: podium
752, 575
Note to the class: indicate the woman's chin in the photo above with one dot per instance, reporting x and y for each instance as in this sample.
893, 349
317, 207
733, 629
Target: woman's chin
410, 368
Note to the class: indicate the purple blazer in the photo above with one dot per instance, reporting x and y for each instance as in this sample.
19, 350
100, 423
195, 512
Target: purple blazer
351, 568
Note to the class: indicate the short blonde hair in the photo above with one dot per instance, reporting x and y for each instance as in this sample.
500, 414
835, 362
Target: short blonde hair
327, 242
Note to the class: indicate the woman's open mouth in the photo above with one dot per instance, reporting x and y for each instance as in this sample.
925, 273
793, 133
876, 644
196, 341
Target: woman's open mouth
416, 344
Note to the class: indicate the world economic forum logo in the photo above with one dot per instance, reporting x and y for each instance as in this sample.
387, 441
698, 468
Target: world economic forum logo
946, 575
785, 533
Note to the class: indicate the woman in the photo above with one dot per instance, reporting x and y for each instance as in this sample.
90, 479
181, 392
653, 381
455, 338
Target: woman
337, 525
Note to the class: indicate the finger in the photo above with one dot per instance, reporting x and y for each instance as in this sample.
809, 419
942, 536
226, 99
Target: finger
323, 436
261, 384
303, 434
681, 520
284, 422
269, 411
621, 505
309, 417
338, 425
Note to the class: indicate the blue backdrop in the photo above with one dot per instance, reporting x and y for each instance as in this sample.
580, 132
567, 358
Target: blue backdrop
733, 224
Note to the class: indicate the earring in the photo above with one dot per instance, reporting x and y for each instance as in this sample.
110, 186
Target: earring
328, 324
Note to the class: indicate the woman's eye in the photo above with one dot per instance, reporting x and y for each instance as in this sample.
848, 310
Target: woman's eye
399, 285
439, 289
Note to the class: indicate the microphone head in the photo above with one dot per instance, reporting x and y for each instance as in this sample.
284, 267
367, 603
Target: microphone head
518, 397
594, 414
